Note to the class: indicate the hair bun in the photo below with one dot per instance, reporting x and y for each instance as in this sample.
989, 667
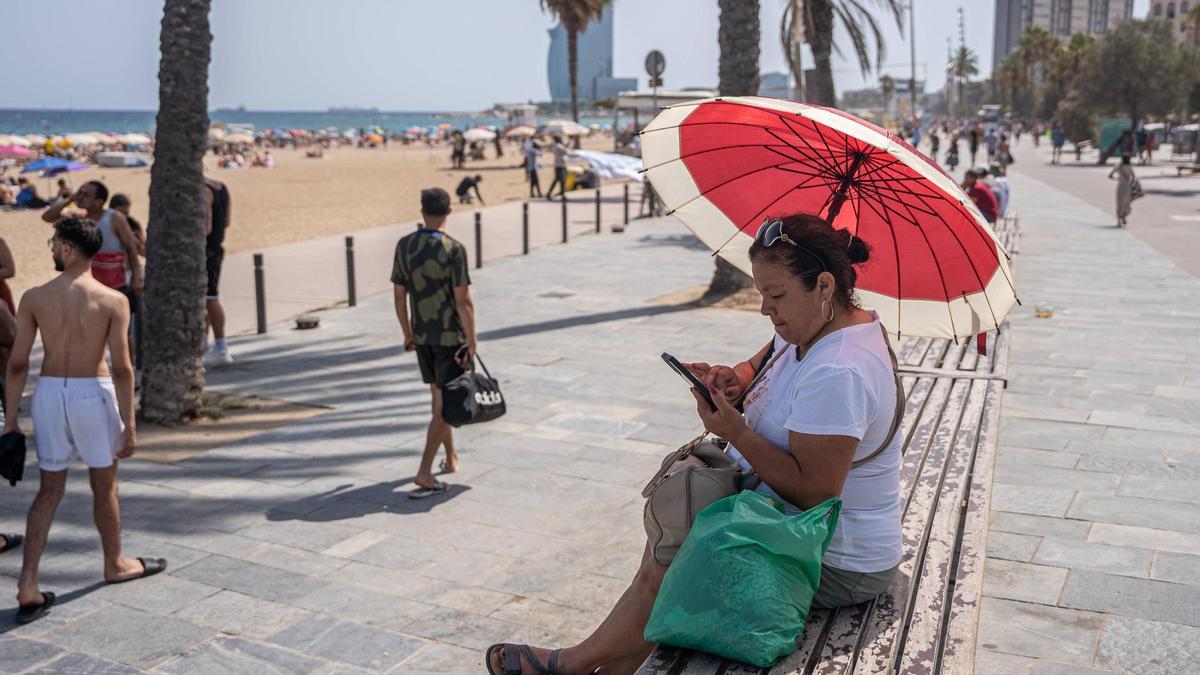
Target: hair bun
857, 251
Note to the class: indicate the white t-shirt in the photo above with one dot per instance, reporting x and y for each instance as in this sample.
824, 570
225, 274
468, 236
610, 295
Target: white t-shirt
844, 386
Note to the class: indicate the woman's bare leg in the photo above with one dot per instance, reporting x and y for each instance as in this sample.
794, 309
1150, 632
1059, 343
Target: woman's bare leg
617, 644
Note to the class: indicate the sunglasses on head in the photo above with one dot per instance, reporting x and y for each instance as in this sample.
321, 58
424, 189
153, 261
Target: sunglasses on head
771, 232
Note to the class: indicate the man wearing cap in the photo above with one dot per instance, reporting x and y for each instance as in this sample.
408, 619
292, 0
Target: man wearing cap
980, 193
430, 269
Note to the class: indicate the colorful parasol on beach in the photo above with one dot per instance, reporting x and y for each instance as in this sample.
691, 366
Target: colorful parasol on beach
563, 128
472, 135
726, 166
14, 152
523, 131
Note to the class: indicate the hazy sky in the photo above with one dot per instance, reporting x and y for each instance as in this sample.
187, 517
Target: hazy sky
400, 54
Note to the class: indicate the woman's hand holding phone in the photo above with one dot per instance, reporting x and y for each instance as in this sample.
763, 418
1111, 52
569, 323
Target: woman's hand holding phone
723, 378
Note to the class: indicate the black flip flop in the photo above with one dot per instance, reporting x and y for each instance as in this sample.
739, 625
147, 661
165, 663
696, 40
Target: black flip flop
30, 613
422, 492
150, 567
11, 541
511, 660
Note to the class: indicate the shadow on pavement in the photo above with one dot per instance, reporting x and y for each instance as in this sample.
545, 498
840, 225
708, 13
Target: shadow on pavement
342, 503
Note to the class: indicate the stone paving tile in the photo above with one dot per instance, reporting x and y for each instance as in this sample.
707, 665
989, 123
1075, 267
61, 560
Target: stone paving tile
237, 656
1145, 537
450, 626
365, 606
1010, 546
1026, 457
123, 634
1136, 511
250, 578
1134, 562
440, 659
1160, 488
1032, 500
1151, 647
350, 643
1020, 523
1051, 668
159, 594
1023, 581
1052, 477
1177, 567
67, 608
233, 613
83, 664
998, 663
21, 653
1138, 598
1048, 435
1039, 631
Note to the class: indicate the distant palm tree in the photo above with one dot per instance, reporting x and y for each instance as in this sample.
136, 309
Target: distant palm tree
791, 37
574, 15
887, 88
173, 379
738, 38
966, 66
858, 21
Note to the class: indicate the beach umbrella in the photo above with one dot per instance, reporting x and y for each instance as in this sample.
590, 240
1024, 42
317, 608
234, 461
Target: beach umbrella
48, 164
373, 138
81, 139
71, 166
523, 131
35, 139
562, 128
14, 152
16, 140
472, 135
216, 134
239, 138
133, 139
728, 166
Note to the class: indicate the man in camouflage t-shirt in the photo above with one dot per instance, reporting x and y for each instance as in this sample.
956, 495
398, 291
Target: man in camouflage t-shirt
430, 270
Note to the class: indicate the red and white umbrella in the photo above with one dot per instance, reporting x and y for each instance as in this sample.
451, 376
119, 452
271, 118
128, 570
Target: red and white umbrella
723, 166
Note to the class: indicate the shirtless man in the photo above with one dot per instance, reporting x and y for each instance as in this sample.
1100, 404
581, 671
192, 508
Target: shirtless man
118, 243
78, 409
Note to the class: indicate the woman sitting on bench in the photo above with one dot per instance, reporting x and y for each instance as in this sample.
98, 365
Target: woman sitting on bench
827, 403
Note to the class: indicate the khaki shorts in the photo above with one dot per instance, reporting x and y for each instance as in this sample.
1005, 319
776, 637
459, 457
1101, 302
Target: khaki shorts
842, 588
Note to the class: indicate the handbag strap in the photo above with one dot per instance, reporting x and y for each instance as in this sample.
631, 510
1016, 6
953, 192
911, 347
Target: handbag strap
474, 358
898, 414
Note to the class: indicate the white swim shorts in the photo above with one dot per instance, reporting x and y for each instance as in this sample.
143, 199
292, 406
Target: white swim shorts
76, 417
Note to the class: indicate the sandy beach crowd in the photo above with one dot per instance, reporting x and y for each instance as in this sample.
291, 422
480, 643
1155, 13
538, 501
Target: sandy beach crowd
299, 198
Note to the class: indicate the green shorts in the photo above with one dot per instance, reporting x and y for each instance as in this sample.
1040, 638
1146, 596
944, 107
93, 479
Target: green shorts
842, 588
437, 364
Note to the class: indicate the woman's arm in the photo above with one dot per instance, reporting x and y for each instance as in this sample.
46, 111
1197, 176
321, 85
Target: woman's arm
8, 268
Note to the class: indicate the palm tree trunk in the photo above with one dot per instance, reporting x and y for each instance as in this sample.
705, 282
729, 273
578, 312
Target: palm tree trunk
172, 379
738, 37
820, 39
573, 67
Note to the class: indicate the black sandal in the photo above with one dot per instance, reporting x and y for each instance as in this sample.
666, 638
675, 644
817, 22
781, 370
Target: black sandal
511, 660
30, 613
150, 567
11, 541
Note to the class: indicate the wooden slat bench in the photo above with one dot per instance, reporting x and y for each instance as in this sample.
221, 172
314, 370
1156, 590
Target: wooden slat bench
926, 622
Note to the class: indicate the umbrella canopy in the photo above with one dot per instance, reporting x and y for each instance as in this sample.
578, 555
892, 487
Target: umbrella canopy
81, 139
522, 131
50, 164
14, 152
724, 166
373, 138
472, 135
239, 138
216, 134
563, 128
36, 139
133, 139
15, 140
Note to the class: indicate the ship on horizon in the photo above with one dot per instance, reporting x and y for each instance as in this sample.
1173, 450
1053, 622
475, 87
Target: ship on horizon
351, 110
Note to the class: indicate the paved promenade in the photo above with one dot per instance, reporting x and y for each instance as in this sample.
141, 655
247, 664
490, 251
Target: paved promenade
299, 551
1094, 546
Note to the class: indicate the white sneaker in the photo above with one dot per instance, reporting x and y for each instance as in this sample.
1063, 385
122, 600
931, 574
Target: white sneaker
217, 357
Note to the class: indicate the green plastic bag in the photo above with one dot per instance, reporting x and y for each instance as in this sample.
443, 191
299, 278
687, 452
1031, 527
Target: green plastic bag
744, 579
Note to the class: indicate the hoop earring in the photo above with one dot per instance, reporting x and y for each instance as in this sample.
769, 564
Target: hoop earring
831, 310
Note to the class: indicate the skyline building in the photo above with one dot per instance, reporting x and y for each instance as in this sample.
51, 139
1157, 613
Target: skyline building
1062, 18
594, 78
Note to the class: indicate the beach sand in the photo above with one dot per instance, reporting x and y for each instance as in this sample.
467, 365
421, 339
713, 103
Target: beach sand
300, 198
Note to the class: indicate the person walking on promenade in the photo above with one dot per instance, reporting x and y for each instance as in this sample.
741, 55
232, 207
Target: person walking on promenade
119, 245
560, 169
935, 143
458, 150
1125, 180
973, 142
220, 208
430, 270
79, 410
1058, 138
532, 151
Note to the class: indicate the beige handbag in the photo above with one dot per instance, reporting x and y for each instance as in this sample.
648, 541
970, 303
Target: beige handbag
700, 473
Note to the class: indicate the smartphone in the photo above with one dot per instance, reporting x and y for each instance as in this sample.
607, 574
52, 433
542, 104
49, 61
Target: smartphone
689, 377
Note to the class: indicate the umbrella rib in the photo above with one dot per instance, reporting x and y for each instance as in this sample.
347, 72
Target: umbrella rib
827, 161
703, 152
974, 269
741, 228
816, 157
726, 182
878, 190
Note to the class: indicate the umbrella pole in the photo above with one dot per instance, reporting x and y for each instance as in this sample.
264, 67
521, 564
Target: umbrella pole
843, 192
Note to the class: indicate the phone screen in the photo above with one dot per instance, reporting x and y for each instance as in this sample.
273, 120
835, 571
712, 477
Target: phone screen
689, 378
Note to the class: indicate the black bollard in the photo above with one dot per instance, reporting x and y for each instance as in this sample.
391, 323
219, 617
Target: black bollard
351, 289
627, 203
478, 240
597, 210
260, 293
525, 228
563, 196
